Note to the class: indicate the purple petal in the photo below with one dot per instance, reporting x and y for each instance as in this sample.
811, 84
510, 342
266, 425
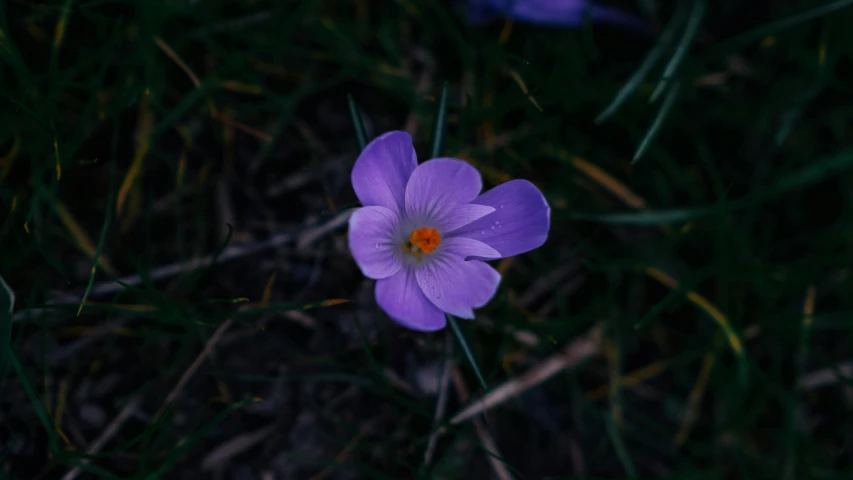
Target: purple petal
457, 286
558, 13
463, 248
438, 187
371, 241
520, 222
381, 172
402, 299
462, 215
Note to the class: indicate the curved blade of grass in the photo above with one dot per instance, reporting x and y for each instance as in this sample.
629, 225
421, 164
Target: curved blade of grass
59, 34
440, 123
460, 337
176, 453
651, 59
677, 294
355, 116
683, 46
109, 215
7, 304
214, 262
37, 405
807, 176
717, 316
773, 27
619, 446
658, 123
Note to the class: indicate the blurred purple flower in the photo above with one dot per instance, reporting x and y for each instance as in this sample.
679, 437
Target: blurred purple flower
560, 13
424, 230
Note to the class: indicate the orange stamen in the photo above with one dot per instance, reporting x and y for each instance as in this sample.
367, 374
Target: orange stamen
424, 239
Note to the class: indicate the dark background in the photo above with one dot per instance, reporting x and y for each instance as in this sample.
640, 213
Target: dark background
696, 301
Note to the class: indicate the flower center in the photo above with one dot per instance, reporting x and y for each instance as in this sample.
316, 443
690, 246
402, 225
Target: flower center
423, 240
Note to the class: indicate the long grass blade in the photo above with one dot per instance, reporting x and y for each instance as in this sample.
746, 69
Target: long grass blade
37, 405
658, 123
774, 27
802, 178
652, 58
109, 216
690, 30
440, 123
7, 304
355, 115
460, 337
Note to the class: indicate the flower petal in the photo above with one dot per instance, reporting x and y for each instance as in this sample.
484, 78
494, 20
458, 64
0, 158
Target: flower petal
439, 186
461, 215
402, 299
457, 286
559, 13
381, 172
520, 222
371, 241
463, 248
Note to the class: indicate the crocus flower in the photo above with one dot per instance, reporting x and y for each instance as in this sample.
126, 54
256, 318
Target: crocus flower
558, 13
424, 231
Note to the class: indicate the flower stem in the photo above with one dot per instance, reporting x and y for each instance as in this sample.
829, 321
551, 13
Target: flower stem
460, 337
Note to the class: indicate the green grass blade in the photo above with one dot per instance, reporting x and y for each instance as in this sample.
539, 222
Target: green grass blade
651, 59
690, 30
177, 453
755, 34
619, 446
658, 123
109, 215
805, 177
437, 148
61, 27
355, 115
440, 123
7, 304
37, 405
460, 337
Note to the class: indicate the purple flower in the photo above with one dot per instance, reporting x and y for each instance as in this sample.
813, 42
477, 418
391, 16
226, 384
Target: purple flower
560, 13
424, 230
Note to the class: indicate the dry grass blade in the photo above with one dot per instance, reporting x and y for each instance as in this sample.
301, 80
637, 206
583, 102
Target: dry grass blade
578, 351
703, 303
485, 437
609, 182
695, 398
82, 239
107, 434
197, 363
167, 271
441, 403
826, 376
237, 445
340, 457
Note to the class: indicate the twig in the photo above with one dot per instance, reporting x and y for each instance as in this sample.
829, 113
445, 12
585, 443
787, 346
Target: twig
107, 434
493, 454
826, 376
237, 445
230, 253
197, 363
308, 237
545, 283
578, 351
